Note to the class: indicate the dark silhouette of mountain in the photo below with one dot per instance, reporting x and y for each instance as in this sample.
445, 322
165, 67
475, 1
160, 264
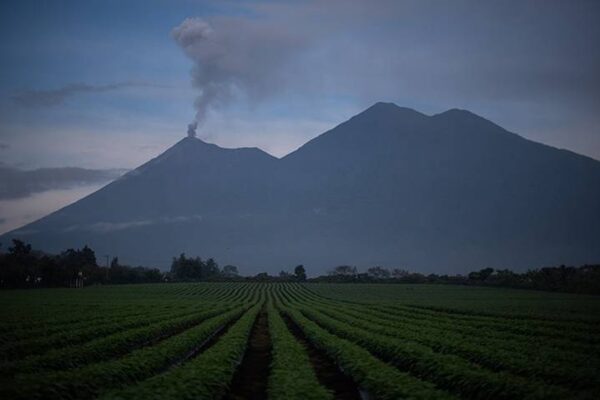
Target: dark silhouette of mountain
446, 193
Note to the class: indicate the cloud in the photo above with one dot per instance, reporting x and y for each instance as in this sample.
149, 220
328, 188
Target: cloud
107, 227
236, 58
21, 211
4, 146
26, 232
16, 183
103, 227
56, 97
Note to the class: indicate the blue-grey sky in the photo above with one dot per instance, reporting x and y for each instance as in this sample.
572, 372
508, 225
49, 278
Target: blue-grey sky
109, 84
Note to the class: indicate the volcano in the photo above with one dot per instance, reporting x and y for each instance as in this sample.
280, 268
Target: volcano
446, 193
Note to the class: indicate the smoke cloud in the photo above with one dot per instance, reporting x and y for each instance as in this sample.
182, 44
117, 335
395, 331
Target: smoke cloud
235, 58
50, 98
16, 183
192, 129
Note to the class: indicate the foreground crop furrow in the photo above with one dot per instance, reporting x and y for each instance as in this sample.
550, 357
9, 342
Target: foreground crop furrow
43, 343
93, 379
207, 376
450, 372
297, 372
379, 378
489, 354
296, 340
328, 374
574, 332
57, 325
251, 377
486, 332
522, 327
108, 347
558, 322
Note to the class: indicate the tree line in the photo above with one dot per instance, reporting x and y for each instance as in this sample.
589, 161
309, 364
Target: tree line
583, 279
184, 269
23, 267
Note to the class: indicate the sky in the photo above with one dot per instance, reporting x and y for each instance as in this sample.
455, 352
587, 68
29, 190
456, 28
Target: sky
110, 84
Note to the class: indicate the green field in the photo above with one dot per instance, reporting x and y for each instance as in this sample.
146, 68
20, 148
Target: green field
298, 341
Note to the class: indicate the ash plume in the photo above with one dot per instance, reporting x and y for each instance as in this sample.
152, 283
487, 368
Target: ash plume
235, 58
191, 131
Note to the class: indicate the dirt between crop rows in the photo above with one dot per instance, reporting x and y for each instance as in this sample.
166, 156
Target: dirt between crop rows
327, 371
251, 378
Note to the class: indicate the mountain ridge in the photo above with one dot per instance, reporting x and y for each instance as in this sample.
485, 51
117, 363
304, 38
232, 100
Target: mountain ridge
384, 187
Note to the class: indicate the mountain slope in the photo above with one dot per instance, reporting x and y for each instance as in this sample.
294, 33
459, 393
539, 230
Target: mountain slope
391, 186
162, 208
450, 190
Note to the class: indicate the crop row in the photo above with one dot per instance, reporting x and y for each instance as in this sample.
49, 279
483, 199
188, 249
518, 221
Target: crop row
513, 320
577, 323
380, 379
573, 332
377, 377
486, 332
485, 328
483, 346
292, 376
109, 346
94, 379
206, 376
532, 327
39, 344
555, 359
450, 372
488, 354
28, 314
70, 319
190, 339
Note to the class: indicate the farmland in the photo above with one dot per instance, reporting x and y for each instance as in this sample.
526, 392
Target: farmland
298, 341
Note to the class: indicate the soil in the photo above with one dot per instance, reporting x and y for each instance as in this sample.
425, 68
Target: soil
327, 371
212, 339
251, 378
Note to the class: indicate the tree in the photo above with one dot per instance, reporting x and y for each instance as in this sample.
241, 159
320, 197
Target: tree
344, 270
19, 249
300, 273
262, 276
230, 271
481, 275
210, 269
183, 268
284, 275
19, 266
398, 273
378, 273
77, 265
193, 269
